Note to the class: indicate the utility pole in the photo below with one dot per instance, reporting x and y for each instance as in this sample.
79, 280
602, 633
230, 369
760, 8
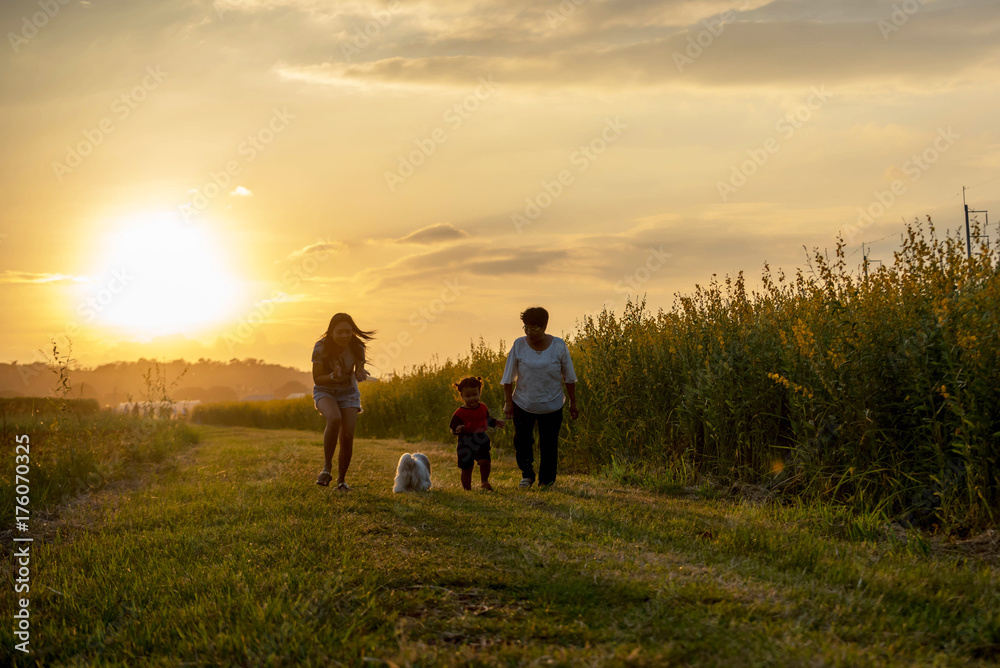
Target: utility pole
968, 237
865, 260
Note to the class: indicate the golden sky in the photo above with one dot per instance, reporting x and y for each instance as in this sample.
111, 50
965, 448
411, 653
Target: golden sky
216, 179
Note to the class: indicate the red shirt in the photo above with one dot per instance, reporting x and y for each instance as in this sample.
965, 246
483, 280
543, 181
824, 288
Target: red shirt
476, 420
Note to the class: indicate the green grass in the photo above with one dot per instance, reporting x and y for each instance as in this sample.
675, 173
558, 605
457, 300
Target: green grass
233, 556
70, 452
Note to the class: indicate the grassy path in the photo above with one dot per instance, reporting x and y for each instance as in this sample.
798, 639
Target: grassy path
235, 557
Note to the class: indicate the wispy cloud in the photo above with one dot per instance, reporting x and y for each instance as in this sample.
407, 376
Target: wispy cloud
598, 258
433, 234
319, 247
632, 44
31, 277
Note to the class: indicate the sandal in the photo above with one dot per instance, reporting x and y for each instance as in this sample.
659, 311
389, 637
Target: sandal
324, 478
342, 487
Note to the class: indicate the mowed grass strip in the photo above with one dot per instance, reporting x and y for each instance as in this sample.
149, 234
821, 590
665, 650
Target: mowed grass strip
236, 557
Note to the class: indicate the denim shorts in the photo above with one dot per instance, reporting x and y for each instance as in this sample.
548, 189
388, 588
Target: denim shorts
349, 397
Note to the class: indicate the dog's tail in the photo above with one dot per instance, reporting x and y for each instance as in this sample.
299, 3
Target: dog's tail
404, 471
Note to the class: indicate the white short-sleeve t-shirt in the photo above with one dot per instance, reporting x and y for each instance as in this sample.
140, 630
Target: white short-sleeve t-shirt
538, 377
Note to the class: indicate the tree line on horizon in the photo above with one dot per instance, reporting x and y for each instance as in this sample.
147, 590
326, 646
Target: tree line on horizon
113, 383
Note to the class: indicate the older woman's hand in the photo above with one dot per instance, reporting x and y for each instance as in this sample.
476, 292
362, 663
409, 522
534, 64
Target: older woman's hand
508, 410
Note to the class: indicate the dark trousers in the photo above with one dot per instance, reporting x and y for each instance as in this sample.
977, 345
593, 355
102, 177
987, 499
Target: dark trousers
548, 443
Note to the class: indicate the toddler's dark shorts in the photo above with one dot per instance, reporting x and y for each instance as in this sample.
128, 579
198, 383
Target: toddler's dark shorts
473, 448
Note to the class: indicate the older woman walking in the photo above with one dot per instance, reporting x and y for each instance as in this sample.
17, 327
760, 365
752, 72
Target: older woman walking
537, 367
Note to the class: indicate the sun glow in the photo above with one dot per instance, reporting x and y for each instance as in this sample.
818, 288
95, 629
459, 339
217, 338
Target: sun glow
161, 276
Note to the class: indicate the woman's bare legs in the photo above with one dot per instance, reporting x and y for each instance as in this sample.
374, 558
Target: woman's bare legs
348, 420
331, 413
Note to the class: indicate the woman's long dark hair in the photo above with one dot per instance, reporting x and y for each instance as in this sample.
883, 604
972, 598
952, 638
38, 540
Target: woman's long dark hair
356, 344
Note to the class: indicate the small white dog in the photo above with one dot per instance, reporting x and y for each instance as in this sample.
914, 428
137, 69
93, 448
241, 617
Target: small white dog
413, 474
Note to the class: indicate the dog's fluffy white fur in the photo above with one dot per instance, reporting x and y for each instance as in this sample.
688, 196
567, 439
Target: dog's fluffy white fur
413, 474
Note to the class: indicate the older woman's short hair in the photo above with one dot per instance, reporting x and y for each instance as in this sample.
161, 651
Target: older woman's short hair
535, 315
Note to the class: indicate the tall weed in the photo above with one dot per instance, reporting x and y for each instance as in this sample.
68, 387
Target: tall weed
879, 391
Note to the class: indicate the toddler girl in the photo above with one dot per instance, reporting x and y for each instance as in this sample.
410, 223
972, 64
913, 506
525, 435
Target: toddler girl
469, 423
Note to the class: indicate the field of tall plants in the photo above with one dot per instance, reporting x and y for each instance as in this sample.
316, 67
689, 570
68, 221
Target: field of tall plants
275, 414
879, 391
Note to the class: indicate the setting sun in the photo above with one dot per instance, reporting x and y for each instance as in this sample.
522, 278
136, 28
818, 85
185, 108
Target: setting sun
160, 276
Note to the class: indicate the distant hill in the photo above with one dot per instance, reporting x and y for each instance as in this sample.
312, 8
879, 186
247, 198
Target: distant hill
110, 384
